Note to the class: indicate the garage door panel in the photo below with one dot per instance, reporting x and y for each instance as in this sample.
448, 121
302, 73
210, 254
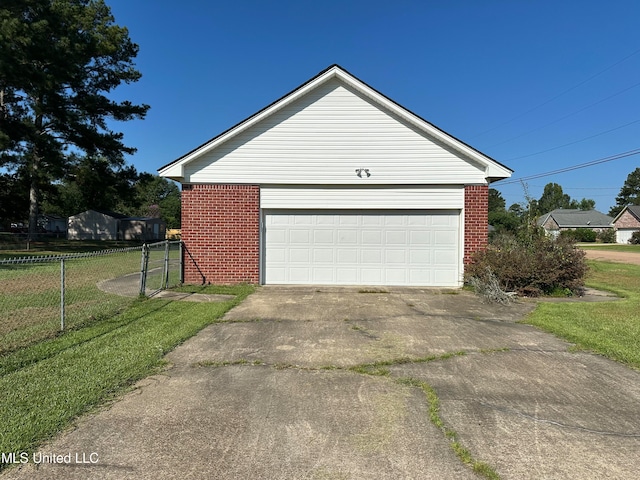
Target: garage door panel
362, 248
322, 236
299, 255
395, 257
347, 236
444, 237
371, 237
323, 255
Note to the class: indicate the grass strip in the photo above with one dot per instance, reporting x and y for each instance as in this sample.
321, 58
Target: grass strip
611, 329
481, 468
41, 399
611, 247
379, 368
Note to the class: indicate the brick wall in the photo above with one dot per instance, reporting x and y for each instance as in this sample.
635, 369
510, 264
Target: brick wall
476, 222
627, 220
221, 233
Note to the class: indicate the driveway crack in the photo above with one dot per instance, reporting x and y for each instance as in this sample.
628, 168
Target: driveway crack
536, 419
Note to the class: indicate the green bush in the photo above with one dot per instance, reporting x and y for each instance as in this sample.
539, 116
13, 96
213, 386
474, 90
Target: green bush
635, 238
607, 235
533, 266
580, 234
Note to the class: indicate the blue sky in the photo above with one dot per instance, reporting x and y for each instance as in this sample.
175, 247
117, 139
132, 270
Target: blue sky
512, 78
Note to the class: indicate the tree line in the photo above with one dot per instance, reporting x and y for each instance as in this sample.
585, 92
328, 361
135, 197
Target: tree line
59, 61
93, 184
518, 214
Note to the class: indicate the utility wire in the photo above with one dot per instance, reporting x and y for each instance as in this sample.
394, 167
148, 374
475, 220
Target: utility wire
574, 167
566, 116
557, 96
573, 143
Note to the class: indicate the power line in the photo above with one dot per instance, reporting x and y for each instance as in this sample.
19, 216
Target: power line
575, 167
558, 96
566, 116
573, 143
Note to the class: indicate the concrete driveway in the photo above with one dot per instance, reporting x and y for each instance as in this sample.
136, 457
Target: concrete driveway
271, 394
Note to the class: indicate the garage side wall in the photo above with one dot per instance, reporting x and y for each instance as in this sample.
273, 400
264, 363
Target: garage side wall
476, 219
221, 233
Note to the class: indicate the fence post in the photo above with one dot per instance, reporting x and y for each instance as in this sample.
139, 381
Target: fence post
165, 276
62, 294
144, 263
181, 253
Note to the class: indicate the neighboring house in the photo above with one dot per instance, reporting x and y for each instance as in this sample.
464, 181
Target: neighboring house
333, 184
143, 228
94, 225
627, 222
106, 225
54, 224
569, 219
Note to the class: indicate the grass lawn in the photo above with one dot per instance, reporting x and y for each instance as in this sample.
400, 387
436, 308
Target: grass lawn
611, 328
611, 247
46, 385
30, 296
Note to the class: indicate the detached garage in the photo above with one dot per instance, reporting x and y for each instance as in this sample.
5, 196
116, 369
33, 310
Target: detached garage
333, 184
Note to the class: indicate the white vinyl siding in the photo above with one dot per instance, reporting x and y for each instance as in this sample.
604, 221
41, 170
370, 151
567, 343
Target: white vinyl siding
362, 198
412, 248
323, 137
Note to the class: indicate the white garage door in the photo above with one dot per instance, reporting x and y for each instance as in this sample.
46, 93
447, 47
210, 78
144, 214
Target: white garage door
624, 235
354, 248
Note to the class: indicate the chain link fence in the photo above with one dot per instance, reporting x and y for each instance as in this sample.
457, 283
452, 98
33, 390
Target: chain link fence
161, 267
42, 295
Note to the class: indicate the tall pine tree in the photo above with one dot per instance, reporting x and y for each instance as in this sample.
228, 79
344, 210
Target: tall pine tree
58, 61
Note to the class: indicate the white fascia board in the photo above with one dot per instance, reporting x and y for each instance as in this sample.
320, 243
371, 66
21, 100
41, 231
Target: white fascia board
174, 171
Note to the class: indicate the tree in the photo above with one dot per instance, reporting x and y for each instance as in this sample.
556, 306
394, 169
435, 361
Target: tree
502, 220
629, 193
496, 201
553, 197
58, 59
93, 183
586, 204
13, 206
157, 196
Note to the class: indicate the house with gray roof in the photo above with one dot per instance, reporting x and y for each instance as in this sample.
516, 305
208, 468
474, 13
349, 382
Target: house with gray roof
561, 219
627, 222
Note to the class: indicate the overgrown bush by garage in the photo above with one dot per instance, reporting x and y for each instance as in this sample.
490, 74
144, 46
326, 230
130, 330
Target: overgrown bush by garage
533, 266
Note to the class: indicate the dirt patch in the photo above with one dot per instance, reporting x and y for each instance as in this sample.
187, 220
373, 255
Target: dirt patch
620, 257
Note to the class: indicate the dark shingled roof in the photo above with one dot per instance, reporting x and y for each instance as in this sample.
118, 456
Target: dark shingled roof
569, 218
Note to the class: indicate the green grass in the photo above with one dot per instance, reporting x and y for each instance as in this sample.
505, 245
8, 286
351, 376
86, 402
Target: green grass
46, 385
611, 247
609, 328
30, 296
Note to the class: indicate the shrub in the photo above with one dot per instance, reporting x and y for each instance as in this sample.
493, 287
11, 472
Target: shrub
580, 234
533, 266
635, 238
607, 235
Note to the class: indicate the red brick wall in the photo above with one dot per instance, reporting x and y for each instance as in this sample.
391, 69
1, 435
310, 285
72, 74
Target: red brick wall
627, 220
476, 222
221, 233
